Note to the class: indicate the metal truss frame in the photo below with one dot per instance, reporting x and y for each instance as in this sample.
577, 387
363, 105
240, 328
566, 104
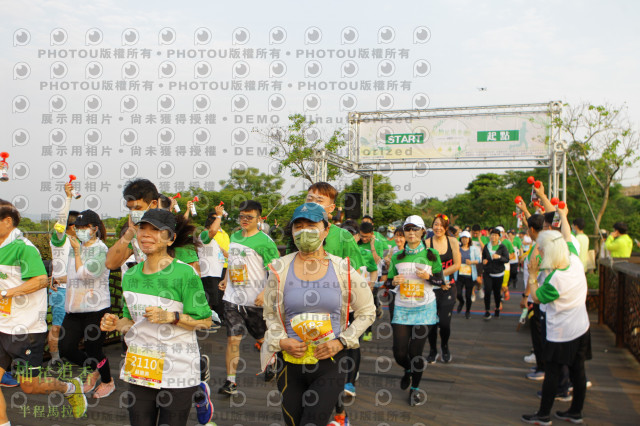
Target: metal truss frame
555, 161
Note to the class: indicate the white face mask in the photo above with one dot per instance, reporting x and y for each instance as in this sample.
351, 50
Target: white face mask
136, 215
83, 235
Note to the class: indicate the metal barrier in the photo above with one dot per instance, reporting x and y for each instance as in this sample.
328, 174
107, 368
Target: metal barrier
619, 304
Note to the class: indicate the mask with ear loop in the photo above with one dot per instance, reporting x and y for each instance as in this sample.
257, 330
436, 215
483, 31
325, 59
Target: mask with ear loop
307, 240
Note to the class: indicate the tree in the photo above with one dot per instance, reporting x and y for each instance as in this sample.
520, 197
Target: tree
293, 147
250, 180
603, 137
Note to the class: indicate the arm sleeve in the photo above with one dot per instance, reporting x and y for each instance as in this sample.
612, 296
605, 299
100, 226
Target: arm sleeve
275, 329
194, 301
547, 293
269, 253
31, 263
204, 237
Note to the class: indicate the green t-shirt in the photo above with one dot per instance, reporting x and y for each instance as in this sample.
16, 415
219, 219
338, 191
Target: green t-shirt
340, 242
484, 239
367, 255
517, 242
380, 237
187, 254
508, 245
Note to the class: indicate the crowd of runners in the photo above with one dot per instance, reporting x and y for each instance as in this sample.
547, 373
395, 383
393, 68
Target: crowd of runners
307, 308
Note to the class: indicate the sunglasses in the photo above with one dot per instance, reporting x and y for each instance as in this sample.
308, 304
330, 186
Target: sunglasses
411, 228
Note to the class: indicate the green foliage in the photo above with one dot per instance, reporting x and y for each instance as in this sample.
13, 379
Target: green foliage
293, 147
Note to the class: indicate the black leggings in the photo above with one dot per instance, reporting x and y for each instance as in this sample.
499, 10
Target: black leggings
445, 299
85, 325
492, 284
465, 282
214, 294
536, 336
310, 392
408, 344
151, 407
513, 274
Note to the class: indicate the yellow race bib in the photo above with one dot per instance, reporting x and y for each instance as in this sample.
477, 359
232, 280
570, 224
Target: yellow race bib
465, 269
238, 274
412, 289
5, 305
143, 367
313, 328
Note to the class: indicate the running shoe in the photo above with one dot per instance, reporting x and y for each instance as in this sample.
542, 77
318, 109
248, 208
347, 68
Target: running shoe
432, 357
459, 307
104, 389
204, 406
497, 312
575, 418
560, 396
229, 388
205, 374
535, 419
367, 336
417, 397
406, 380
350, 390
530, 359
487, 316
536, 375
481, 294
446, 356
77, 400
91, 381
258, 346
507, 295
8, 381
467, 315
473, 296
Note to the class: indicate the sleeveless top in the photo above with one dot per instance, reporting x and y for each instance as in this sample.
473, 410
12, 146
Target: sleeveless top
446, 258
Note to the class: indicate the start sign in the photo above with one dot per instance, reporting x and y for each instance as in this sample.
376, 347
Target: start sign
405, 138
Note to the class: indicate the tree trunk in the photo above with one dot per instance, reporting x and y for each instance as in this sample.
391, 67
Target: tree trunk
603, 207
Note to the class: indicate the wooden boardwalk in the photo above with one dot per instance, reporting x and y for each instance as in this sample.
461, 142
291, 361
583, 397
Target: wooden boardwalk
484, 385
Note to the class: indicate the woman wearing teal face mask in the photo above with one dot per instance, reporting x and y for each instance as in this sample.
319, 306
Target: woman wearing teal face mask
307, 301
87, 300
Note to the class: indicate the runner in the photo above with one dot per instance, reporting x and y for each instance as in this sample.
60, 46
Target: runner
339, 242
23, 310
250, 252
516, 243
564, 291
414, 272
372, 251
449, 250
63, 270
88, 300
378, 235
311, 340
494, 257
212, 259
164, 305
467, 275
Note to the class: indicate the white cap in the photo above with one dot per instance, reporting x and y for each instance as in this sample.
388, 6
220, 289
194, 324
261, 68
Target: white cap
500, 228
414, 220
465, 234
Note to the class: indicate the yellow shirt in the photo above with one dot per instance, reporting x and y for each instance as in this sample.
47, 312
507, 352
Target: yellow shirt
223, 240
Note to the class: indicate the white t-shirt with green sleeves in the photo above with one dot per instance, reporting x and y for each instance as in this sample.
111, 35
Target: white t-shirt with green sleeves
177, 288
211, 257
408, 266
246, 269
19, 261
564, 293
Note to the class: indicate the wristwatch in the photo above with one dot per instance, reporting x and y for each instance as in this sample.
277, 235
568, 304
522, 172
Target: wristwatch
343, 341
3, 293
177, 316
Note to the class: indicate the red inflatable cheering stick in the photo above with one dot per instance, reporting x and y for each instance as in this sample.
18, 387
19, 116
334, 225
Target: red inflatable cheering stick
536, 183
74, 193
176, 207
224, 213
4, 167
193, 205
556, 217
518, 212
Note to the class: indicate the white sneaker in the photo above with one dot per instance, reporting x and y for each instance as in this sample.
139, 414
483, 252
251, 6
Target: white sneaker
530, 359
473, 296
481, 294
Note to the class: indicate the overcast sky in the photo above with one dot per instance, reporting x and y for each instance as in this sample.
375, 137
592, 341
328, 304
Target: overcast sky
479, 53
